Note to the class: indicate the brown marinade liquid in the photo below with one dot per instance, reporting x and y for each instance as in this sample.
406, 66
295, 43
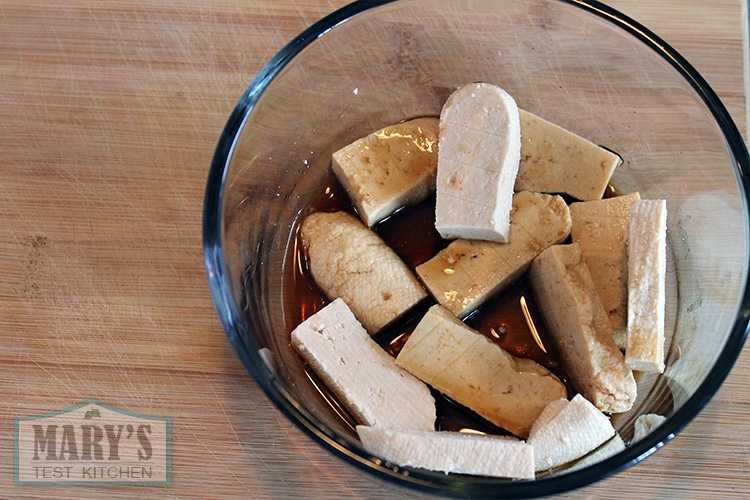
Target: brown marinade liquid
411, 233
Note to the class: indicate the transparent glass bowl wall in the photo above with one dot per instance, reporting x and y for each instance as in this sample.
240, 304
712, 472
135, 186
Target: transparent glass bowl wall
576, 65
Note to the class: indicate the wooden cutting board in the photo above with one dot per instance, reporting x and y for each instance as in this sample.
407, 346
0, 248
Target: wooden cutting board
110, 112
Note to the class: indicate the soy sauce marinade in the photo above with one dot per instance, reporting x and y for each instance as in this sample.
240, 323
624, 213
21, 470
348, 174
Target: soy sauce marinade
412, 235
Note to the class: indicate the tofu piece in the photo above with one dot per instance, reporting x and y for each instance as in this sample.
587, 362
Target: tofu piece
389, 169
647, 261
601, 229
480, 146
574, 431
579, 328
550, 411
467, 273
363, 376
350, 261
644, 424
609, 449
555, 160
474, 371
499, 456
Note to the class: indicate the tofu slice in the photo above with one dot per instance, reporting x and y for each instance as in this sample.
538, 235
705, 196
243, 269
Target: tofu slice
644, 424
574, 431
474, 371
549, 412
362, 375
555, 160
480, 146
647, 260
467, 273
499, 456
579, 328
389, 169
350, 261
601, 229
609, 449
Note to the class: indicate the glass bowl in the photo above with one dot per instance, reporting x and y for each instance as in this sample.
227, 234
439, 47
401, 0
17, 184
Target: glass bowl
579, 64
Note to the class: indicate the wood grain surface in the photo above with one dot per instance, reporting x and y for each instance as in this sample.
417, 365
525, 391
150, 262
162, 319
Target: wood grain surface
110, 112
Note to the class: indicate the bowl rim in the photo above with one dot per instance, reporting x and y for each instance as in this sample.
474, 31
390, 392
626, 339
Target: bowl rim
455, 485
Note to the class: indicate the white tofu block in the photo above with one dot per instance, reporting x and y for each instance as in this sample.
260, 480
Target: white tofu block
644, 424
609, 449
574, 431
480, 145
389, 169
555, 160
549, 412
350, 261
601, 229
467, 273
579, 328
483, 455
474, 371
647, 260
362, 375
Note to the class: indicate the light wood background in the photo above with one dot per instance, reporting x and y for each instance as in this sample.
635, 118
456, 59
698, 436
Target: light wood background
109, 114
